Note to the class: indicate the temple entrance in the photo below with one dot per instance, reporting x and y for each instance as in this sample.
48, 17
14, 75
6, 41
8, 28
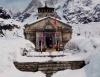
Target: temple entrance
49, 42
49, 39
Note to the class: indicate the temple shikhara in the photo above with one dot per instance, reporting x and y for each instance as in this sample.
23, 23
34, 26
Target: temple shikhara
48, 32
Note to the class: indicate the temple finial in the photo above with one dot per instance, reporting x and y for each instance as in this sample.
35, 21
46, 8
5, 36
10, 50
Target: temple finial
45, 3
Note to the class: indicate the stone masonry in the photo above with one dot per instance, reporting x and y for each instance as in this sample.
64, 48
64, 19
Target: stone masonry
49, 67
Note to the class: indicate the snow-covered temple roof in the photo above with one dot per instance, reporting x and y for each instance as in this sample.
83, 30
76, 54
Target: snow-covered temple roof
49, 17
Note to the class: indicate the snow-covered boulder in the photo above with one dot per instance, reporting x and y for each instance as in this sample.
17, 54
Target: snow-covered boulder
11, 28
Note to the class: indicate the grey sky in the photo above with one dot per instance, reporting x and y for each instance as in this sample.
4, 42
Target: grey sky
15, 5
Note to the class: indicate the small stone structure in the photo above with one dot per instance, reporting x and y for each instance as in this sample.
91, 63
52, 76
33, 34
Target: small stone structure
49, 67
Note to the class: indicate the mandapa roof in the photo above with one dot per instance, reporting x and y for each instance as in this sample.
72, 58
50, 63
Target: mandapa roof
36, 21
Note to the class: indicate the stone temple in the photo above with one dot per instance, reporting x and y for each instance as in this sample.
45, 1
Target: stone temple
48, 32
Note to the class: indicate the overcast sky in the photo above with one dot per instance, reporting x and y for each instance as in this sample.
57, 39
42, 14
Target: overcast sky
15, 5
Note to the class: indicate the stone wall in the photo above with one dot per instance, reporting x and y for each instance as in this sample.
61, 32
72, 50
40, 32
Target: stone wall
49, 67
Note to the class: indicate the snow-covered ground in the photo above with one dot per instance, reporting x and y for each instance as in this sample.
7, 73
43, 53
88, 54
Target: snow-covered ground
88, 42
8, 50
86, 46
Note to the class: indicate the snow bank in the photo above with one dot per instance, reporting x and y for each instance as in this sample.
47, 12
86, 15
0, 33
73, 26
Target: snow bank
93, 68
8, 52
70, 73
80, 44
13, 72
91, 30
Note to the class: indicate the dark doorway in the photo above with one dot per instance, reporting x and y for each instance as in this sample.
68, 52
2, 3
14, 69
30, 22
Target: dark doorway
49, 40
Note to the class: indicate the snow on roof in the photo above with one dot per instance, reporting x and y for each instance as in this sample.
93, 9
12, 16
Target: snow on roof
35, 21
46, 18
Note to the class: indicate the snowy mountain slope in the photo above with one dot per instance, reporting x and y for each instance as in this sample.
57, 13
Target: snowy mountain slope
33, 5
11, 28
73, 11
